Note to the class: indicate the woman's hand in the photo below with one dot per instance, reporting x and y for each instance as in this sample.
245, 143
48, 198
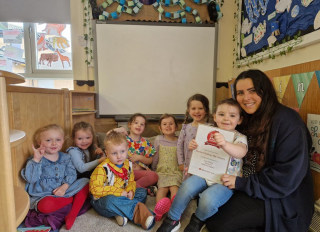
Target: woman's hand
192, 145
229, 181
61, 190
181, 167
38, 153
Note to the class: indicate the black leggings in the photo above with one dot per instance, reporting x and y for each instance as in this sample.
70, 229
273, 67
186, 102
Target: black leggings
240, 213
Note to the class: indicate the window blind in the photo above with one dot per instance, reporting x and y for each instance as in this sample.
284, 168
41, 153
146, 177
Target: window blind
35, 11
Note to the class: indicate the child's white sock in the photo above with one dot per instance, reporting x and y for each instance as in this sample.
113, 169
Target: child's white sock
149, 222
122, 221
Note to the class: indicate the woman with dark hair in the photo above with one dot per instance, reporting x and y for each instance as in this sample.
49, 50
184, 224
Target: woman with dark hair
275, 192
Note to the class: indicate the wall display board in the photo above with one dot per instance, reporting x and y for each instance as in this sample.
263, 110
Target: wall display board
272, 23
152, 68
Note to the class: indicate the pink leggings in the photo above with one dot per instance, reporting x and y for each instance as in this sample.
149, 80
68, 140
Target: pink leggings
145, 178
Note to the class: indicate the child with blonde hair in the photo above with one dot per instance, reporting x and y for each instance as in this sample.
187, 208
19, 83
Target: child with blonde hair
166, 164
85, 154
56, 196
114, 189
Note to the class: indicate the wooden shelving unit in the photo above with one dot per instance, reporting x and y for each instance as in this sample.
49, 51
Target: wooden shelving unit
82, 105
14, 200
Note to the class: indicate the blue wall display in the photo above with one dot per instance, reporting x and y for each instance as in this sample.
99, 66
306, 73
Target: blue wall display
266, 23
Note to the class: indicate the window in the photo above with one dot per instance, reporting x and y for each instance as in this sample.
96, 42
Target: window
39, 51
12, 52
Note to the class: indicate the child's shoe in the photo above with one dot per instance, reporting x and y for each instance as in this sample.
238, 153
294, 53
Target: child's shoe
195, 224
169, 225
162, 207
143, 216
149, 222
152, 190
122, 221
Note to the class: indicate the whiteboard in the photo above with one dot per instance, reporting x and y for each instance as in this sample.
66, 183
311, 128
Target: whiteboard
151, 68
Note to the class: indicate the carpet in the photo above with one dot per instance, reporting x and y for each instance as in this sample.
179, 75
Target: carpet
92, 221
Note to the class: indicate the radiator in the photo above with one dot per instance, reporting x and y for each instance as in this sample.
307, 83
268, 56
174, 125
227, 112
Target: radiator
315, 223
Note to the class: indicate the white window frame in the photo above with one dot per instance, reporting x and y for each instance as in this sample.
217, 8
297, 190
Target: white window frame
31, 70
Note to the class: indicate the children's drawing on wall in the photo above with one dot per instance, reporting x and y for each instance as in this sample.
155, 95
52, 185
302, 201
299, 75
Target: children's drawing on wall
53, 46
267, 23
313, 123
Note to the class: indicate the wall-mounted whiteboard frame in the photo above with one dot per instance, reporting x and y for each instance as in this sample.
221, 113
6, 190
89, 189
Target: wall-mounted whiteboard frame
152, 68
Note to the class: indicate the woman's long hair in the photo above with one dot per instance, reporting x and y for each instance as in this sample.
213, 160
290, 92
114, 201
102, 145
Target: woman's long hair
257, 125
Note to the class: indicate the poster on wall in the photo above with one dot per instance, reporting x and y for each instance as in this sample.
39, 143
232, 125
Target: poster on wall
267, 23
313, 123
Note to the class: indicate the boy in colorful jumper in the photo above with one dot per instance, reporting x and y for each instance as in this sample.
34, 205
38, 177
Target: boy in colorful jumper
113, 187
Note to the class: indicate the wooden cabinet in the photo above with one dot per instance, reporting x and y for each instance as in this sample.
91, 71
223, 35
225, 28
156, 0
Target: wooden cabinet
82, 106
14, 200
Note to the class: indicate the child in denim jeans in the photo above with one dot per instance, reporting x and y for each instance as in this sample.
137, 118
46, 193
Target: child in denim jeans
113, 187
211, 195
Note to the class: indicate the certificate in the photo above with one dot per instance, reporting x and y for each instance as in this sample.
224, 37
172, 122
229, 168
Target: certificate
209, 160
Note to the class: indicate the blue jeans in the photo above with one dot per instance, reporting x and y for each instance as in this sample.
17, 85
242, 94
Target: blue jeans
110, 206
210, 198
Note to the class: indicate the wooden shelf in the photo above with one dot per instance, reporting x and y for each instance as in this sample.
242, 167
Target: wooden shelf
12, 78
22, 204
83, 113
16, 137
82, 106
83, 92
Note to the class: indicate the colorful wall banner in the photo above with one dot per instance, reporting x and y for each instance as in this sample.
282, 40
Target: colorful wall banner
280, 84
301, 83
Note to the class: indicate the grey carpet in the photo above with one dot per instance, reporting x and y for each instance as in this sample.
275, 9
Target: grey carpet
92, 221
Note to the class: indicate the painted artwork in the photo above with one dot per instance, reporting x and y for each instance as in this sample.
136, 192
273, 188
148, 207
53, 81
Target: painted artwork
267, 23
53, 47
